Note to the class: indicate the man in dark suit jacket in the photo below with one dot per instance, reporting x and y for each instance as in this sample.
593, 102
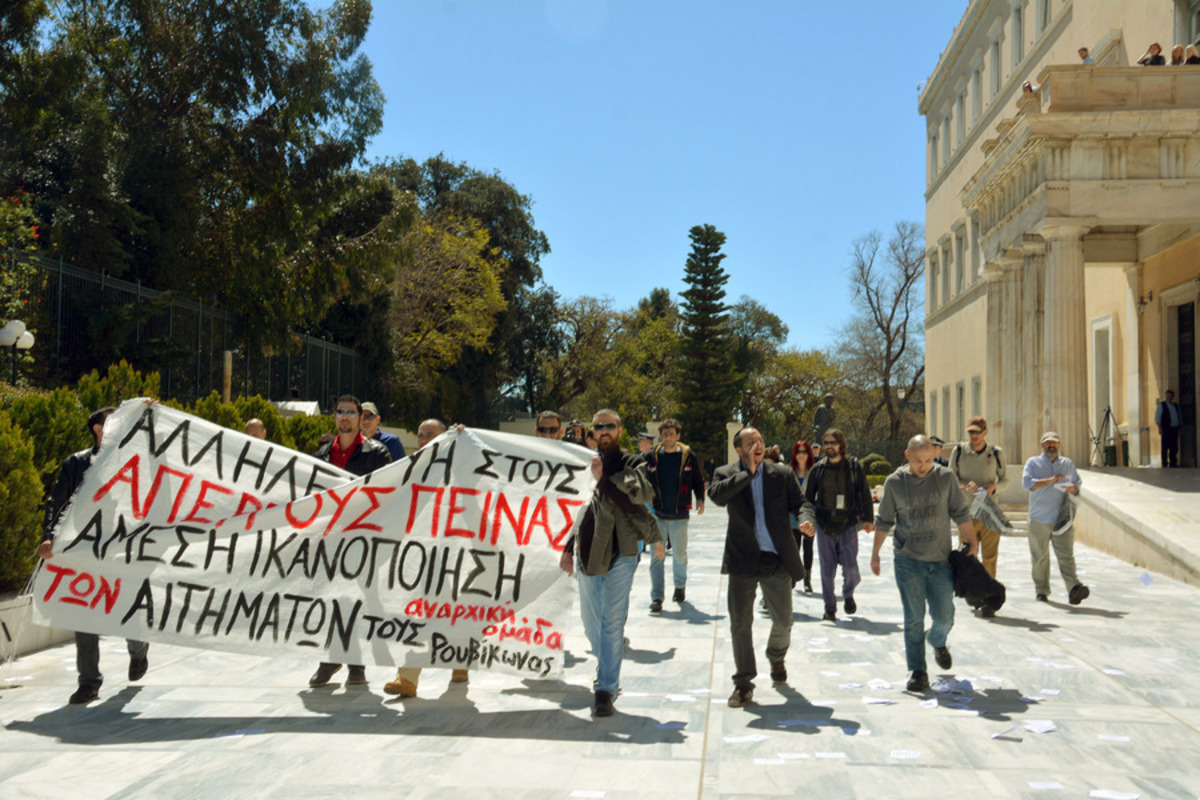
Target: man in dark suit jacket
759, 551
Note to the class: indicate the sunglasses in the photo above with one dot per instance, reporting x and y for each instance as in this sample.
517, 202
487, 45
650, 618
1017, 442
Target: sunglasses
546, 430
369, 415
830, 442
604, 426
345, 412
973, 432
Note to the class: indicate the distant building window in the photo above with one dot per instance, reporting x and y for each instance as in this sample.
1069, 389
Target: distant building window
946, 414
960, 394
977, 96
960, 247
931, 422
947, 265
977, 396
946, 140
995, 69
960, 121
975, 249
1018, 34
933, 157
1043, 16
933, 281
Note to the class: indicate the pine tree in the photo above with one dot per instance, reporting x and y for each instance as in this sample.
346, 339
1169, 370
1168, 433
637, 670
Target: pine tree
707, 384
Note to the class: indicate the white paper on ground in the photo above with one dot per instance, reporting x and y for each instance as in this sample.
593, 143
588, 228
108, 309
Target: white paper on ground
1040, 725
794, 756
906, 754
681, 698
1006, 731
836, 754
754, 737
929, 704
1113, 672
878, 684
1044, 785
1112, 794
1112, 737
1050, 691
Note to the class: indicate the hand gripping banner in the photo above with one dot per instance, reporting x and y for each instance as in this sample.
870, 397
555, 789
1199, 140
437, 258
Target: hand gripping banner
189, 533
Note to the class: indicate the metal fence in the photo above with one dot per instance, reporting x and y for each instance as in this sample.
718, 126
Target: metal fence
85, 320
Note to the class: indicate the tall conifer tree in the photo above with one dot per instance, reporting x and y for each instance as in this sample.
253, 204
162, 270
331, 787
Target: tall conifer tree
707, 383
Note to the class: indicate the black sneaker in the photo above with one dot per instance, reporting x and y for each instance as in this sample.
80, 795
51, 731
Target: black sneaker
138, 667
1079, 593
357, 676
919, 682
987, 612
851, 606
84, 694
323, 674
778, 672
678, 596
656, 606
741, 697
829, 617
942, 656
604, 705
1043, 598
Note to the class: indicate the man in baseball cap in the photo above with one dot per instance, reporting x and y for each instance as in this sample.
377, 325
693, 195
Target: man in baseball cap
1049, 478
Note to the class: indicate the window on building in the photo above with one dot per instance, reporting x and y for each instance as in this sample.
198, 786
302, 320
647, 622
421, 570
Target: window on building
960, 122
933, 281
946, 414
976, 396
977, 96
1018, 34
995, 69
931, 421
1043, 16
946, 140
947, 267
975, 249
933, 156
960, 248
960, 407
1194, 21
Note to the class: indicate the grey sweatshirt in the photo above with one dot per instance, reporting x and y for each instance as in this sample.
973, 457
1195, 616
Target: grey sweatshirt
918, 512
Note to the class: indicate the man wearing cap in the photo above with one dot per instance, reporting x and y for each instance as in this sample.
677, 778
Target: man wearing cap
370, 429
939, 445
548, 425
645, 443
979, 468
1049, 478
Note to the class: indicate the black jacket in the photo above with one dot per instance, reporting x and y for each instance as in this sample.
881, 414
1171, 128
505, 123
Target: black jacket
730, 487
859, 504
368, 458
70, 475
691, 482
972, 582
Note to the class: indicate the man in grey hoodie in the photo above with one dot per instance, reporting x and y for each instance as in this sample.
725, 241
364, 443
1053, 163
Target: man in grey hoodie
919, 501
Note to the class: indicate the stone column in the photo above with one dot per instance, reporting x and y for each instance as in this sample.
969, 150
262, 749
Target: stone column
1064, 341
1029, 338
994, 374
1133, 363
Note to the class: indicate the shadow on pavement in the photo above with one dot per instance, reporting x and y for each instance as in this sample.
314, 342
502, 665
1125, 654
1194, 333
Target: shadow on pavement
796, 714
356, 711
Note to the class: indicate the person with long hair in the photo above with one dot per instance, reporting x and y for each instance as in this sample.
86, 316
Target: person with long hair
802, 461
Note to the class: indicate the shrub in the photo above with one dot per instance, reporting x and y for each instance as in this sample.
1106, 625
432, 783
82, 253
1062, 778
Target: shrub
868, 460
121, 382
306, 431
880, 467
55, 422
20, 490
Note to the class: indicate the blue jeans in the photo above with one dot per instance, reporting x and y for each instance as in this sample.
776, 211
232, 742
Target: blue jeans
604, 604
921, 583
674, 531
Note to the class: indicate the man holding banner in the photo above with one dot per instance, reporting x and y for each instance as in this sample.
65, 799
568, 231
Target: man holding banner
87, 645
359, 455
608, 534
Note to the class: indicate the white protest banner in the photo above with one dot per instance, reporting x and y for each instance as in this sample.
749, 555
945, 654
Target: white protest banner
189, 533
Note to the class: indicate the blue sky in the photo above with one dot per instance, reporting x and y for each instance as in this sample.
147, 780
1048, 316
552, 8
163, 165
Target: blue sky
790, 126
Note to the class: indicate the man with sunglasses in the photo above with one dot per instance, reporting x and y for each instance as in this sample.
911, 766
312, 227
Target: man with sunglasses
356, 454
549, 425
979, 467
838, 489
370, 429
607, 537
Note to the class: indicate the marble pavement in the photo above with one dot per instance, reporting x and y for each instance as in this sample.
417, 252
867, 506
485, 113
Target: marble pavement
1044, 701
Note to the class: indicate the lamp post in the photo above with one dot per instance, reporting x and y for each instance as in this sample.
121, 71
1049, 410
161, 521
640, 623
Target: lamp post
14, 335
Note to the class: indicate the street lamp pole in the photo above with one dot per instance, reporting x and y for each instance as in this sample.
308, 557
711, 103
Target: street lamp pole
14, 335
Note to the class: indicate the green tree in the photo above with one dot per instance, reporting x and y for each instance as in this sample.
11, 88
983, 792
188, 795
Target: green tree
20, 491
469, 389
535, 339
201, 147
785, 392
708, 386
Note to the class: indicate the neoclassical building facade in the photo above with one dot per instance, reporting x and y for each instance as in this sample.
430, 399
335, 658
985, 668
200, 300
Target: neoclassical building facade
1063, 226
